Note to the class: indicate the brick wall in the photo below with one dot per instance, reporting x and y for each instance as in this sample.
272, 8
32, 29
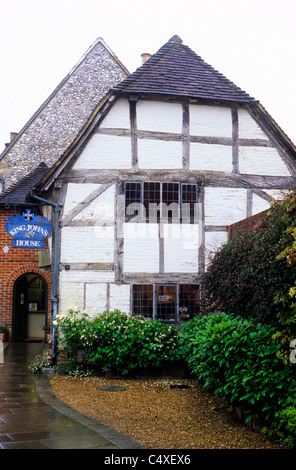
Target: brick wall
13, 264
249, 224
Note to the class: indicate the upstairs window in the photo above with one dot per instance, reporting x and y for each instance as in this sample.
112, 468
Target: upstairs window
133, 199
155, 201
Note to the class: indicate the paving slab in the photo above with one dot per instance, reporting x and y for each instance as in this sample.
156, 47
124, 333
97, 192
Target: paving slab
31, 417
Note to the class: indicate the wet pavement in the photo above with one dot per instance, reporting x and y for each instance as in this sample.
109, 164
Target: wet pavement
31, 417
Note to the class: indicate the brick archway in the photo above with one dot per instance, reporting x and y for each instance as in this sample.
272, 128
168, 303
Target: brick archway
8, 289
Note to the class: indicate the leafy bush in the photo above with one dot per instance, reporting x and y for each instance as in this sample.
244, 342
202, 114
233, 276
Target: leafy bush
118, 342
250, 275
240, 361
284, 426
40, 361
75, 329
73, 369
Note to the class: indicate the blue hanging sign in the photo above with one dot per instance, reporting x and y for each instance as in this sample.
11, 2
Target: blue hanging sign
28, 230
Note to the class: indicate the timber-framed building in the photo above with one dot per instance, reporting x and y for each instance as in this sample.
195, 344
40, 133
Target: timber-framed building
166, 160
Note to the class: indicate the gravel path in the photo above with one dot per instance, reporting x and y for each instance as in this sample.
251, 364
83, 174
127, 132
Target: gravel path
160, 413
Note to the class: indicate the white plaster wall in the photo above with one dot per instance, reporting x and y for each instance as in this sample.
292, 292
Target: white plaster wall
141, 248
101, 209
213, 241
210, 121
159, 117
210, 157
276, 194
70, 294
95, 298
224, 206
159, 154
248, 127
118, 116
105, 152
259, 204
261, 161
181, 243
89, 276
120, 297
87, 245
77, 193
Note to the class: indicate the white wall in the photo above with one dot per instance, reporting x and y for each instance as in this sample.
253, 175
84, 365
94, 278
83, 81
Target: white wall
261, 161
118, 116
159, 154
181, 244
224, 206
77, 193
147, 248
210, 157
141, 248
210, 121
159, 117
248, 127
105, 152
87, 245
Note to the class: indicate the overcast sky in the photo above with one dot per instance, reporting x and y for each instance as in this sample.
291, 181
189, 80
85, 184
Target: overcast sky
252, 42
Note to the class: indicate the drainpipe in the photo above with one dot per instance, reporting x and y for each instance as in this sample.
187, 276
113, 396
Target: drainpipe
56, 210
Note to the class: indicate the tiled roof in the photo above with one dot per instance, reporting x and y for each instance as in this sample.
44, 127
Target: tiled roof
59, 120
176, 70
19, 192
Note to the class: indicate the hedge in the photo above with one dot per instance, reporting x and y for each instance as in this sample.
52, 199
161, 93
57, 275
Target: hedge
114, 341
240, 361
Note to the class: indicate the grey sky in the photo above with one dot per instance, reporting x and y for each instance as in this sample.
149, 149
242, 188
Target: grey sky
252, 42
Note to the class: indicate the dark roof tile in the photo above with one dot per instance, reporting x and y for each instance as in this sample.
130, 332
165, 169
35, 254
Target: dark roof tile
19, 192
176, 70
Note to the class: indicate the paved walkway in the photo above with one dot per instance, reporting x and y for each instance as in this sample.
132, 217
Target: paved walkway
31, 417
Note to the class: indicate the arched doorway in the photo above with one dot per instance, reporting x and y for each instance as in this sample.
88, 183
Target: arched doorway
29, 307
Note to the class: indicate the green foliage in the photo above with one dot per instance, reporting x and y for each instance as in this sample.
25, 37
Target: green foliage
73, 369
252, 274
240, 361
284, 426
76, 330
40, 361
118, 342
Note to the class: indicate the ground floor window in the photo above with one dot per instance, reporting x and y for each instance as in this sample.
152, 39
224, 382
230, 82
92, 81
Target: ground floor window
166, 302
143, 300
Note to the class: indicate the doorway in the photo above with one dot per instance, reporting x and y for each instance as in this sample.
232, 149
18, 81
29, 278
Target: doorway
29, 307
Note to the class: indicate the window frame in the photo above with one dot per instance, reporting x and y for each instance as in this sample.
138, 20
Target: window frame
191, 218
156, 219
157, 315
154, 299
131, 216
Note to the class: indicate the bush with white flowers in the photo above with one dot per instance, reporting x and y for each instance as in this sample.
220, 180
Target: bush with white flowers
117, 342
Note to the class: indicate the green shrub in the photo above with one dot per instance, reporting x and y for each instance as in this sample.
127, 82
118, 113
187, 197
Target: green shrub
75, 328
74, 369
253, 271
284, 426
40, 361
118, 342
240, 361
